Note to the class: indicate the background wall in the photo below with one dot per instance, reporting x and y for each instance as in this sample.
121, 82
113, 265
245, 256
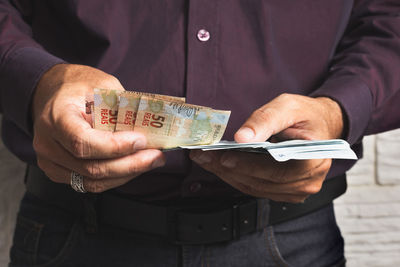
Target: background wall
11, 189
368, 214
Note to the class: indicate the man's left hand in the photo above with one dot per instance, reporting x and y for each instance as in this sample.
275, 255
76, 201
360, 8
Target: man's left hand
286, 117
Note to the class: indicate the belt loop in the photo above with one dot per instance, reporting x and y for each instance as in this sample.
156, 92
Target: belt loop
90, 213
26, 174
235, 222
263, 213
172, 228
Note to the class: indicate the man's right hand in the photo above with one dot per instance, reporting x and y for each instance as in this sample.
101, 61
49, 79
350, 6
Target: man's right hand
64, 140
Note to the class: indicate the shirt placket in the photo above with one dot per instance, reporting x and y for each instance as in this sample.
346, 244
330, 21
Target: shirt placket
201, 78
202, 38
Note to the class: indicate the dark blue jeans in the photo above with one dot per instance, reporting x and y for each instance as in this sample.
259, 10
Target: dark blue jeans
48, 236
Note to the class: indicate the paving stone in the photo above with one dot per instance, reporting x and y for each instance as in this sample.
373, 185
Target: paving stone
370, 194
363, 173
374, 242
388, 158
380, 259
370, 210
11, 191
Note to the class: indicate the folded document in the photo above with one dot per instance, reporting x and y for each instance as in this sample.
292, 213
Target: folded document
293, 149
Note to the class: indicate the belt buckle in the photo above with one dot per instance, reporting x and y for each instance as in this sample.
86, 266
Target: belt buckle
174, 222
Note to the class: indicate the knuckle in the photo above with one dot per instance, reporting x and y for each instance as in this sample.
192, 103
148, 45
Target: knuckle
247, 189
114, 80
111, 82
317, 174
264, 114
94, 169
53, 179
38, 145
44, 166
315, 171
312, 189
283, 97
94, 186
117, 145
78, 147
279, 175
133, 169
41, 163
291, 101
287, 97
138, 166
326, 165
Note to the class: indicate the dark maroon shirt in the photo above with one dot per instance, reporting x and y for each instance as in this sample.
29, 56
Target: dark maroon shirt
227, 54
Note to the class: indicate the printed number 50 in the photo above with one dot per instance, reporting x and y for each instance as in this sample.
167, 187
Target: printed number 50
157, 121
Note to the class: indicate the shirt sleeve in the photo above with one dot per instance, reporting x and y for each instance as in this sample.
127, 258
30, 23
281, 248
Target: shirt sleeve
22, 62
364, 75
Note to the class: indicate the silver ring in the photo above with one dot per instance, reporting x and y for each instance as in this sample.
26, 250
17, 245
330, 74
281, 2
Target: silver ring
77, 182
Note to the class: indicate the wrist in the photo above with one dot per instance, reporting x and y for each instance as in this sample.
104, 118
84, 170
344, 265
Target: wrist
69, 83
334, 116
47, 83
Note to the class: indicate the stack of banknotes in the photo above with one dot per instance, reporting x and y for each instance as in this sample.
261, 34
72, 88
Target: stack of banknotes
169, 123
286, 150
166, 121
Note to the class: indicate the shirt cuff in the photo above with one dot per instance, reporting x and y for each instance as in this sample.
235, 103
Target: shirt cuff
355, 99
19, 74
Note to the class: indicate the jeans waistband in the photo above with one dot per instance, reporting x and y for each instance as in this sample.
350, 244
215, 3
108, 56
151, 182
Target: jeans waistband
186, 224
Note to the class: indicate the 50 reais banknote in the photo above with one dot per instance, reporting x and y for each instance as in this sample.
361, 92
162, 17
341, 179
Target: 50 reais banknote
169, 124
167, 121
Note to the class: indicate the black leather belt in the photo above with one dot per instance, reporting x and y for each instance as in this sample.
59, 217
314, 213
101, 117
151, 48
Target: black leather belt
190, 223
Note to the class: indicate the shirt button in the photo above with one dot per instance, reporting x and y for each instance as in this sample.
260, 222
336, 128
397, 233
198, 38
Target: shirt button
203, 35
195, 187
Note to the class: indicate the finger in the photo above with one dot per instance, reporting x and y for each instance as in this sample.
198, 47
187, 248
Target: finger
139, 162
297, 186
294, 132
303, 187
272, 118
99, 186
59, 174
134, 164
262, 166
76, 135
236, 182
55, 172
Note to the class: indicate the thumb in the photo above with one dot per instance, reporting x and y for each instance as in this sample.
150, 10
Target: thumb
272, 118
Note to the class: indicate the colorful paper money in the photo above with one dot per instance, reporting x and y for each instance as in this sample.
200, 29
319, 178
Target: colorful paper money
166, 121
105, 109
168, 124
129, 104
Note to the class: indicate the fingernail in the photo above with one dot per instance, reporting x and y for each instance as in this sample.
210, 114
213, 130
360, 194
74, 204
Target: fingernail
157, 163
246, 133
203, 158
139, 144
228, 162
